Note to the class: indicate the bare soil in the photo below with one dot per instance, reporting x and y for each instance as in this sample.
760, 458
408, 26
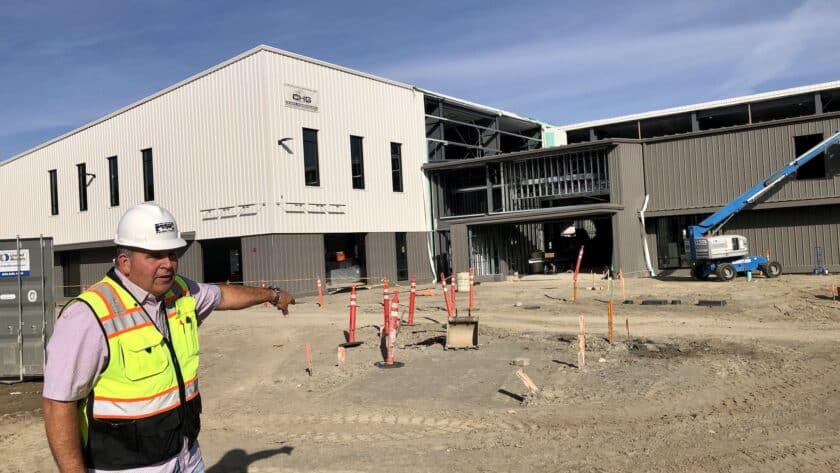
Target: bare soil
748, 386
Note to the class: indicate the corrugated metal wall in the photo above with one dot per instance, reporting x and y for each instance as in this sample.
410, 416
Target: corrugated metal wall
418, 256
93, 264
381, 251
288, 261
378, 112
627, 188
711, 170
460, 250
791, 235
190, 265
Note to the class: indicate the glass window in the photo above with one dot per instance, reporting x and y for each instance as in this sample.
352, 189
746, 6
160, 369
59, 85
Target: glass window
357, 162
53, 192
148, 176
82, 173
114, 181
396, 167
815, 168
311, 172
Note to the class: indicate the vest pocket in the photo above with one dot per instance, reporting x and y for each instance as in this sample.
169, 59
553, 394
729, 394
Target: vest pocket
188, 323
144, 354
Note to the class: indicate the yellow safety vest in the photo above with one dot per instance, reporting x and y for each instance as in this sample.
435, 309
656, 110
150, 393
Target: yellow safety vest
146, 400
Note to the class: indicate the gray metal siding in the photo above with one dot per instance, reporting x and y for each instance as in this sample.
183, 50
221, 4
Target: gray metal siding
190, 265
791, 235
58, 278
627, 189
711, 170
460, 248
418, 256
381, 251
288, 261
94, 263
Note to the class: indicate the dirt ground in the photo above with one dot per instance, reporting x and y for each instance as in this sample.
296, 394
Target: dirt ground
748, 386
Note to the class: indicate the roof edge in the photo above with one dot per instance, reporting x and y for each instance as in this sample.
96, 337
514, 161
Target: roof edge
195, 77
705, 105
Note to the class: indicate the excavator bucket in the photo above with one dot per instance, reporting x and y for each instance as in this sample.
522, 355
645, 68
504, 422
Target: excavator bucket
462, 332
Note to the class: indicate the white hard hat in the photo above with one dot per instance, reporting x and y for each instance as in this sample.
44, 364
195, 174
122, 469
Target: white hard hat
149, 227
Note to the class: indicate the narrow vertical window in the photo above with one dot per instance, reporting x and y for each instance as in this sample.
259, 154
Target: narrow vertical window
114, 181
53, 192
357, 162
311, 172
148, 176
82, 173
396, 167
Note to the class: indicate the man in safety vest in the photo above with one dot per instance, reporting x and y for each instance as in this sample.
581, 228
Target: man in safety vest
121, 387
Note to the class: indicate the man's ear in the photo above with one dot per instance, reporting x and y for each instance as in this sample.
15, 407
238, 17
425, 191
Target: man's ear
124, 263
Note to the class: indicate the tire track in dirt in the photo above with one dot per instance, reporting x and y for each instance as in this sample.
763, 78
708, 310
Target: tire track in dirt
342, 427
814, 455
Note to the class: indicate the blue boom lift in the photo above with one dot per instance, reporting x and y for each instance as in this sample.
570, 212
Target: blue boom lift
728, 255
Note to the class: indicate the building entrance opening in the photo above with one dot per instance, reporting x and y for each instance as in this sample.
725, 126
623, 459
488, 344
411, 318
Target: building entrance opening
222, 260
345, 258
543, 247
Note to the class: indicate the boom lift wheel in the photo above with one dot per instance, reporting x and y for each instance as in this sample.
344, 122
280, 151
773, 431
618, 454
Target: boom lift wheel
773, 269
726, 272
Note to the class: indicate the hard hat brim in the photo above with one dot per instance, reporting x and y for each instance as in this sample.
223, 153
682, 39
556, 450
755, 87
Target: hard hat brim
166, 245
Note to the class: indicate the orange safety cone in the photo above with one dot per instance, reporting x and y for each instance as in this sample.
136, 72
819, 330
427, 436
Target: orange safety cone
386, 303
577, 271
389, 338
351, 330
446, 298
320, 293
392, 333
411, 297
452, 288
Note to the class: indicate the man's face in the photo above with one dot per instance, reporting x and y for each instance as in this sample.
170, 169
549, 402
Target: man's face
154, 271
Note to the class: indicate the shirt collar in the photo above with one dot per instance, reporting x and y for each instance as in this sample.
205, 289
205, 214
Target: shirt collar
138, 292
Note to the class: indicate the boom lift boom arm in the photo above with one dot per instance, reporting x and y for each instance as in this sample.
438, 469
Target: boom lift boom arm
712, 224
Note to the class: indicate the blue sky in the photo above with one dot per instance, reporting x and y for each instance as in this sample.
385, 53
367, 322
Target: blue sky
67, 63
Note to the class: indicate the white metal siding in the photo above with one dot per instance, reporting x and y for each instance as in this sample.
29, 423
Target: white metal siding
217, 165
348, 105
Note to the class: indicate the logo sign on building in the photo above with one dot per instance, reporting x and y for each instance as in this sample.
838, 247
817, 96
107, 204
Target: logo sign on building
9, 264
300, 98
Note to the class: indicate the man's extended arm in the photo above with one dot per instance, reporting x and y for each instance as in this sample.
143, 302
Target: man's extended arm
61, 420
241, 297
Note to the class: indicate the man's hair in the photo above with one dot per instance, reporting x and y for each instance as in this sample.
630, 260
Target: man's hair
123, 250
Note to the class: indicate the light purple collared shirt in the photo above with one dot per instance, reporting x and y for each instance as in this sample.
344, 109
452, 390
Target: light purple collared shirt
77, 351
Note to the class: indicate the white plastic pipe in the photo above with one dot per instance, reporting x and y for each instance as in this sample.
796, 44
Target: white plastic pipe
644, 237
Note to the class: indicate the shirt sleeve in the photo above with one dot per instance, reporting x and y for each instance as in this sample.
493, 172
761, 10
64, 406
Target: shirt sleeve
207, 298
76, 354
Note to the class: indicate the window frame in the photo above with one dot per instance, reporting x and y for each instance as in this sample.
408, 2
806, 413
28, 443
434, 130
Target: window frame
81, 174
310, 158
114, 181
396, 171
357, 161
148, 175
53, 173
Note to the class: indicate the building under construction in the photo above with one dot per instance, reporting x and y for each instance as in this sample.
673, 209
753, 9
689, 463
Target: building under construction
282, 168
592, 184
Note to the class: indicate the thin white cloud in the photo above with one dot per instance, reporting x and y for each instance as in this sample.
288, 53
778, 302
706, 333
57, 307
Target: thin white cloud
807, 38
